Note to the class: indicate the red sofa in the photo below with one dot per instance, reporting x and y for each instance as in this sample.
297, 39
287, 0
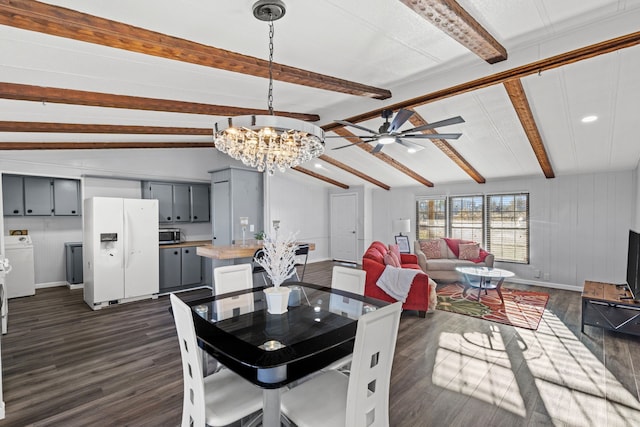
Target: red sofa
373, 264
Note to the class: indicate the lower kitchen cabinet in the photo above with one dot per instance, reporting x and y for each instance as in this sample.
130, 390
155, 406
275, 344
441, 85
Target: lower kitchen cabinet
180, 267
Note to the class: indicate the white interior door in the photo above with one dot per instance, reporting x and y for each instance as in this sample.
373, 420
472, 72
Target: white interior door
344, 227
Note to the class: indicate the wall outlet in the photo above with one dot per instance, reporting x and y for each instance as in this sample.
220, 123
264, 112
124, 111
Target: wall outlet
536, 273
546, 276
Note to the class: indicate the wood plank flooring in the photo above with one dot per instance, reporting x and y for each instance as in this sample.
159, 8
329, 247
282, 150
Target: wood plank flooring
66, 365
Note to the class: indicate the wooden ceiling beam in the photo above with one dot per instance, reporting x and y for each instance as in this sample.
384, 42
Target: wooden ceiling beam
321, 177
62, 22
550, 63
417, 120
384, 157
451, 18
353, 171
23, 92
7, 126
520, 102
99, 145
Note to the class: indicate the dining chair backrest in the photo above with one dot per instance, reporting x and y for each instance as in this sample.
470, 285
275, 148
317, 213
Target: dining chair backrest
348, 279
302, 250
231, 278
368, 389
193, 407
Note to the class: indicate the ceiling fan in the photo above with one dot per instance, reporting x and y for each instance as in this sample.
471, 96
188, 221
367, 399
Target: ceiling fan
389, 133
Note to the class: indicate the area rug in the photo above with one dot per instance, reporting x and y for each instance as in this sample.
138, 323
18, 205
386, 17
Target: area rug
523, 309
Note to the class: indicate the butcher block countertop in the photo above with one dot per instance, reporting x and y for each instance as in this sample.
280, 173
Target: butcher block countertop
233, 251
187, 244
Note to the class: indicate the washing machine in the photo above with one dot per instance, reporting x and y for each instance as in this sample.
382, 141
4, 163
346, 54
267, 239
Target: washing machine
20, 282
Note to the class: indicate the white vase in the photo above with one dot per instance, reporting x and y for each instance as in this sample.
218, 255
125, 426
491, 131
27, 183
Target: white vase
277, 299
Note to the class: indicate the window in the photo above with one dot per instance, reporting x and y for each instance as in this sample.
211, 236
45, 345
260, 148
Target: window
499, 222
431, 217
466, 218
508, 227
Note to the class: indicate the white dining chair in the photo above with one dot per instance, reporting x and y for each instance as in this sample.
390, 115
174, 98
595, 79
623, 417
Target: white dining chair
348, 279
362, 398
218, 399
231, 278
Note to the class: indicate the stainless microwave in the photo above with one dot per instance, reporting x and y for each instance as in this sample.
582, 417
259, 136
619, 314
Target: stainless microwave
168, 236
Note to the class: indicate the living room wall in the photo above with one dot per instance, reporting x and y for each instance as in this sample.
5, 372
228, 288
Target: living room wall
578, 224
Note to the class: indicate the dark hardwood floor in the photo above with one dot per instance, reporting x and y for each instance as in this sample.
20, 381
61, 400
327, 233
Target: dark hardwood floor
66, 365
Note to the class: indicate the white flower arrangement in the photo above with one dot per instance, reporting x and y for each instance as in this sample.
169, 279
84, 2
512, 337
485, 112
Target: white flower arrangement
279, 257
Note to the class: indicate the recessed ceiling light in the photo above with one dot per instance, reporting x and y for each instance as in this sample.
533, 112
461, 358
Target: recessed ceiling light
318, 165
589, 119
411, 150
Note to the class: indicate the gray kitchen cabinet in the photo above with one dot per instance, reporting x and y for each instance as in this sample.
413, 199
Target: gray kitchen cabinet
40, 195
170, 268
181, 203
200, 203
12, 195
180, 267
236, 193
73, 258
37, 196
191, 266
164, 193
66, 196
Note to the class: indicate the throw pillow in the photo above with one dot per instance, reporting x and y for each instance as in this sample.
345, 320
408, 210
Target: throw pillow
395, 249
469, 251
431, 249
390, 259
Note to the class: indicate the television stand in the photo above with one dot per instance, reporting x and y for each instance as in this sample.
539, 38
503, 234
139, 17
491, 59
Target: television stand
610, 306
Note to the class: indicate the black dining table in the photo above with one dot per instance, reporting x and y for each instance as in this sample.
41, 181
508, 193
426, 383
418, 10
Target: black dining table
274, 350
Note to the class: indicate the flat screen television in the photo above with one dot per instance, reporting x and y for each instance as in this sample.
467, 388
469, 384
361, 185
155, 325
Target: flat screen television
633, 265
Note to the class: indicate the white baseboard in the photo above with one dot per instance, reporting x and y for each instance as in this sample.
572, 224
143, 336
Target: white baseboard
50, 284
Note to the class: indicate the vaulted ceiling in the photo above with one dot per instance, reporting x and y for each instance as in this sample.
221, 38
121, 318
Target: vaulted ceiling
159, 73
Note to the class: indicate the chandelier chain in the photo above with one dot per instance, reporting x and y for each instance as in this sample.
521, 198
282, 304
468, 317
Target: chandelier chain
270, 96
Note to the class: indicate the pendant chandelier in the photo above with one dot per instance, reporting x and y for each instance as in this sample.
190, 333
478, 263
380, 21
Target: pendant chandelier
269, 142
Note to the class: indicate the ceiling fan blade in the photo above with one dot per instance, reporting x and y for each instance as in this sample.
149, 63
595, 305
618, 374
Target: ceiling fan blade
377, 148
349, 145
410, 145
434, 136
447, 122
401, 116
342, 122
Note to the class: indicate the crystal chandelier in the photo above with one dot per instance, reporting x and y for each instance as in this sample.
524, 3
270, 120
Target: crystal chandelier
269, 142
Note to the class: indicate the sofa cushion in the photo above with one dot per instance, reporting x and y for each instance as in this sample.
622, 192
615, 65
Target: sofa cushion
395, 249
414, 266
391, 259
432, 248
468, 251
443, 264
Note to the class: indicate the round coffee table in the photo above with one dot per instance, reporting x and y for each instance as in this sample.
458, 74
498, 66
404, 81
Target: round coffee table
486, 274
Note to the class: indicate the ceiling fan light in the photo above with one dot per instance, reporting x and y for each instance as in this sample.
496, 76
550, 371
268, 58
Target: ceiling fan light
387, 139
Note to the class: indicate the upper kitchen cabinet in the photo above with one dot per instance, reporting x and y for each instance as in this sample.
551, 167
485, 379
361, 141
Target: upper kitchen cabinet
179, 203
40, 196
236, 193
200, 203
12, 195
65, 196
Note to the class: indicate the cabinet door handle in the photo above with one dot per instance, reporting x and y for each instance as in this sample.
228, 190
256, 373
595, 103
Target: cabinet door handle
15, 211
214, 237
175, 252
73, 212
29, 211
177, 217
195, 217
186, 251
168, 218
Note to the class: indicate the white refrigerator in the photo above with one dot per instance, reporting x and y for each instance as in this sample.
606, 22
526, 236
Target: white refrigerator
120, 250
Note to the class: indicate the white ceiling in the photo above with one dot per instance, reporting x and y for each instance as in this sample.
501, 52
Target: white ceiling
380, 43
